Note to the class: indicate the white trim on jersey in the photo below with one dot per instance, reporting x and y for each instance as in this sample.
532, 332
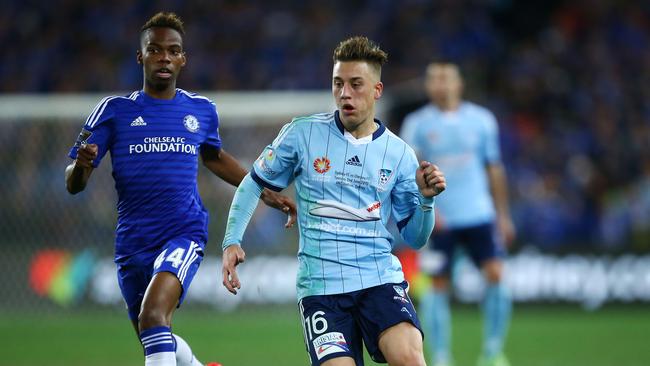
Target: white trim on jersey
92, 119
193, 96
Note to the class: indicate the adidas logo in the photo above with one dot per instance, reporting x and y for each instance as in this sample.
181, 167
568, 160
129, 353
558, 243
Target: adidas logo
354, 161
138, 122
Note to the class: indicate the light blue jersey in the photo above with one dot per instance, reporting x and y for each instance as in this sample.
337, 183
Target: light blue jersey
461, 143
346, 189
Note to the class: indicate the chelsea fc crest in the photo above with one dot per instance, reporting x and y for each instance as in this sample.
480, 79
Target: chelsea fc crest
191, 123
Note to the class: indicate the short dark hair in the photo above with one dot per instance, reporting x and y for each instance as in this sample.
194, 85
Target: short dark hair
360, 49
164, 20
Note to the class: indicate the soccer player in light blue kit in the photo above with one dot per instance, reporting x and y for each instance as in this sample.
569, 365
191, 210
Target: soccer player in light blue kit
155, 136
351, 175
462, 138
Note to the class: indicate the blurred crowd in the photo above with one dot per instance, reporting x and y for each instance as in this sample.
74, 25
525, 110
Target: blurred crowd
569, 82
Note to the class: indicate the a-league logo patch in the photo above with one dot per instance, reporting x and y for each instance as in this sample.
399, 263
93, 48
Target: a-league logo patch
191, 123
384, 176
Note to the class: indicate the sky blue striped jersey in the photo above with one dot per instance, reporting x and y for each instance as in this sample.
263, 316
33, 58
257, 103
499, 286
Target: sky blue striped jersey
346, 190
461, 143
154, 147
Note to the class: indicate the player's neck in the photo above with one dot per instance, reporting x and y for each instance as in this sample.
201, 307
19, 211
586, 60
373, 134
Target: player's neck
367, 128
448, 105
168, 92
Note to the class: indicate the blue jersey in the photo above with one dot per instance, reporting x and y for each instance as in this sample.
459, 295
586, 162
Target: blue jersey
154, 145
461, 143
346, 190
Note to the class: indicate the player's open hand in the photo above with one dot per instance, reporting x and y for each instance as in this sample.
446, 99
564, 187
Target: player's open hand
282, 203
431, 181
232, 256
86, 154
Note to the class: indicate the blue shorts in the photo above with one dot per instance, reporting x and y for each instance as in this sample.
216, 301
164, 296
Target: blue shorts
181, 257
338, 325
481, 243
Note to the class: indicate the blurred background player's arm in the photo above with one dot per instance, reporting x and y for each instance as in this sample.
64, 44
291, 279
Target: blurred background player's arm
78, 172
499, 189
226, 167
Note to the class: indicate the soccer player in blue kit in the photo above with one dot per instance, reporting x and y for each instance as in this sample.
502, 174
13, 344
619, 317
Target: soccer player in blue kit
462, 138
155, 136
351, 174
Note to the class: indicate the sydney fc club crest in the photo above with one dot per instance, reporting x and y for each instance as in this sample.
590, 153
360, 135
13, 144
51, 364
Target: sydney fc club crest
191, 123
322, 165
384, 176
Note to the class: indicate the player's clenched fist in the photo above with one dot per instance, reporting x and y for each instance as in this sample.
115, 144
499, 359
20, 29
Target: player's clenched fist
431, 181
86, 154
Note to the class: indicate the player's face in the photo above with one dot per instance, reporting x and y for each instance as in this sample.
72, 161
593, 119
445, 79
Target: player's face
356, 87
443, 83
162, 57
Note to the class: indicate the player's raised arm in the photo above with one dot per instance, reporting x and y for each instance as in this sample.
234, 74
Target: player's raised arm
78, 172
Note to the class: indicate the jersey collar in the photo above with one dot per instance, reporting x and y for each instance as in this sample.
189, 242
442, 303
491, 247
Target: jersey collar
375, 135
149, 100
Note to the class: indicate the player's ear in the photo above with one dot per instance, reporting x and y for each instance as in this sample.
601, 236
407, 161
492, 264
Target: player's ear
379, 89
184, 59
138, 56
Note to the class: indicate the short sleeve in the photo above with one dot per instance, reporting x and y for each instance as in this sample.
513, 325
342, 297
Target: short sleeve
212, 137
275, 167
491, 151
96, 130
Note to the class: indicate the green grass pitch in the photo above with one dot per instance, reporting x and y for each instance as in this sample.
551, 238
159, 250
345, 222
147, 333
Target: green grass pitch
540, 336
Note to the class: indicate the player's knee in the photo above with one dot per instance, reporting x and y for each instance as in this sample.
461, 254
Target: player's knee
409, 356
493, 271
149, 318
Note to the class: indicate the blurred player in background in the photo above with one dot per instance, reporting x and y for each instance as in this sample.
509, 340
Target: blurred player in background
462, 138
155, 136
351, 175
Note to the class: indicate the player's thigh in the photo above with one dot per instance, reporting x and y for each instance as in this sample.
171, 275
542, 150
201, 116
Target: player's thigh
330, 333
401, 344
159, 301
381, 308
181, 258
339, 361
486, 249
133, 281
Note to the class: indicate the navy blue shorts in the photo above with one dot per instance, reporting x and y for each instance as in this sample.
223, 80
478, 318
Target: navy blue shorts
338, 325
481, 243
181, 257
